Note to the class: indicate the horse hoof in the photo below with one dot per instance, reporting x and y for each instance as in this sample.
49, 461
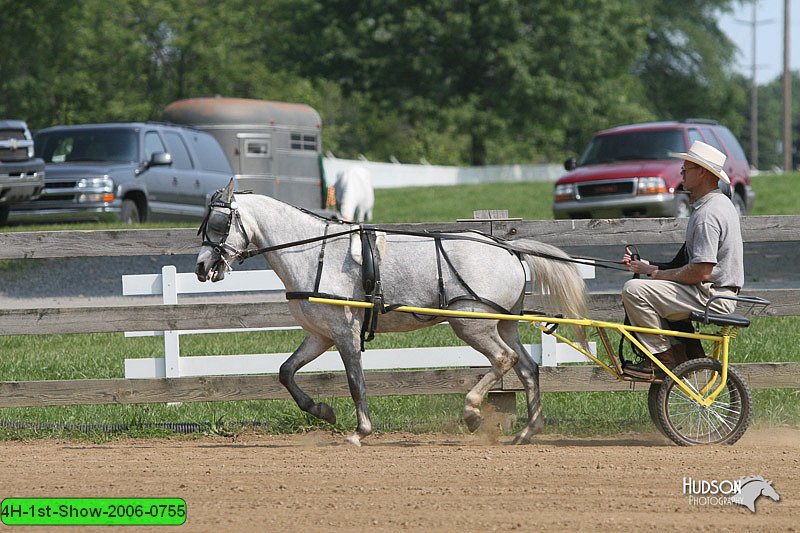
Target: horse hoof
473, 419
325, 412
526, 435
353, 439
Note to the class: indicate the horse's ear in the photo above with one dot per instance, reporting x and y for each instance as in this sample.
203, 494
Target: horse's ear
228, 192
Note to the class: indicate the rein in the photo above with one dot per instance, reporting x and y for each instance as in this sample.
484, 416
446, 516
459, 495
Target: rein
222, 248
506, 245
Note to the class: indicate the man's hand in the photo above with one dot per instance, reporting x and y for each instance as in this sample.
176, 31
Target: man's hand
642, 266
636, 264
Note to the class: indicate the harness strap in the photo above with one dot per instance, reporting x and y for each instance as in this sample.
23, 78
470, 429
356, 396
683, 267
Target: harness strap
442, 297
245, 254
321, 260
371, 279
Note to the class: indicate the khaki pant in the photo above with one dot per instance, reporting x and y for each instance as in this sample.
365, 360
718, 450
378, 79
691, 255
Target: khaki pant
650, 303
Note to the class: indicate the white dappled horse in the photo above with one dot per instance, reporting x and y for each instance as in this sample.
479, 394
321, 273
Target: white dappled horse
463, 272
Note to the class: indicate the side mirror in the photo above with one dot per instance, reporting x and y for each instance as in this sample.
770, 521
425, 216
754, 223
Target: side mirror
160, 159
726, 189
570, 164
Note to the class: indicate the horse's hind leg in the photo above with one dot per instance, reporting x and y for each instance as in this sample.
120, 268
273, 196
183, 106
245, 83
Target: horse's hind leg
528, 372
484, 337
311, 348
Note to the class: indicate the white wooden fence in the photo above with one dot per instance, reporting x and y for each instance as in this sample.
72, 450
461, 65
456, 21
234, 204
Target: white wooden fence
170, 285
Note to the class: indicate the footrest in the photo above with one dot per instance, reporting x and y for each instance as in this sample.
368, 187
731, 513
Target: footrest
738, 321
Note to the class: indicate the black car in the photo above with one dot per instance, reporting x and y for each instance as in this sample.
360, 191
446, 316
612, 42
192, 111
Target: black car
21, 174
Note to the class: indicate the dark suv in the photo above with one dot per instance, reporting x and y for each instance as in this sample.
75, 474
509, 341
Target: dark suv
21, 174
627, 171
132, 171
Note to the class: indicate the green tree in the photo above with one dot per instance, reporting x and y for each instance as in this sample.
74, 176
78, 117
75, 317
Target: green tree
497, 69
687, 67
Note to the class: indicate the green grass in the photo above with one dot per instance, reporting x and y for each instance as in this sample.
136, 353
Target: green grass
776, 194
530, 201
102, 355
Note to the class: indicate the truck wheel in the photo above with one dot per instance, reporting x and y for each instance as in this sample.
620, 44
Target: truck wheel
738, 202
129, 213
4, 209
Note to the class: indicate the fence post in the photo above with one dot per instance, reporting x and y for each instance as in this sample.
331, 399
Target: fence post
172, 348
503, 403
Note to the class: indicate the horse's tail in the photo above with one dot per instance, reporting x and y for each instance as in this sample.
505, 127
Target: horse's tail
556, 277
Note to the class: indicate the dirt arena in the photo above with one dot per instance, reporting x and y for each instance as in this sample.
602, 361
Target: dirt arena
429, 482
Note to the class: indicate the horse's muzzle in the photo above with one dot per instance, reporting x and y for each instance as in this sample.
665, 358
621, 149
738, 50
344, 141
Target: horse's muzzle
215, 273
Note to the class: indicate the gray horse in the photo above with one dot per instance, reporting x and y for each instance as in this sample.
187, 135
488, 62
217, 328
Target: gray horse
469, 273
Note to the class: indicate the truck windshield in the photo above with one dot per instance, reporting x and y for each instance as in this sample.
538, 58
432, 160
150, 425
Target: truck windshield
631, 146
104, 145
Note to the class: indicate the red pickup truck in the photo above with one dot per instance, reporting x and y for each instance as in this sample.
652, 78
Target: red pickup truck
627, 171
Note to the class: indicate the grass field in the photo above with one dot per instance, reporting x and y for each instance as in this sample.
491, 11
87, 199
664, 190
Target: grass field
101, 355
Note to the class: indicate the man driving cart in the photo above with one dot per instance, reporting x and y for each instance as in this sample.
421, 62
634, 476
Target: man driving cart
710, 264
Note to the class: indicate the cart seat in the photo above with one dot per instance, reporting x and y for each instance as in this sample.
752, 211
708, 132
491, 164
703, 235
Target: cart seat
738, 321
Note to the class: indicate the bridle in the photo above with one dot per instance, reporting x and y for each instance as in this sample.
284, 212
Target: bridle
222, 249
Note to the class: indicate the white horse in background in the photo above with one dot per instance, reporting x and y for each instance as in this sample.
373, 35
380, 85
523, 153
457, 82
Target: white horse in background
354, 195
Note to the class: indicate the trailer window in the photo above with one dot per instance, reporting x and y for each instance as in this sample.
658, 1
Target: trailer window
256, 148
304, 142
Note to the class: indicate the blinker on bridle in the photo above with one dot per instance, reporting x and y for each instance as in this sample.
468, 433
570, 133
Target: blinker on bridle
222, 248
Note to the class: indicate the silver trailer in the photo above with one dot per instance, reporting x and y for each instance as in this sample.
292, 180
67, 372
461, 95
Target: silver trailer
273, 147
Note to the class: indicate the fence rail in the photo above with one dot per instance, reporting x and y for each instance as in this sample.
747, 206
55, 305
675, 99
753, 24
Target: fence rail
34, 245
55, 244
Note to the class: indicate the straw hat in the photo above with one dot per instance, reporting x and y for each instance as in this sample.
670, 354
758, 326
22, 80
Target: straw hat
707, 157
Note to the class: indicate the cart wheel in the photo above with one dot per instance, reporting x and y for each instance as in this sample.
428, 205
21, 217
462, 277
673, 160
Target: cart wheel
686, 423
652, 405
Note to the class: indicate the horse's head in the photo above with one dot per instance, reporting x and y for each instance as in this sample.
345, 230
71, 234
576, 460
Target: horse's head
224, 236
769, 491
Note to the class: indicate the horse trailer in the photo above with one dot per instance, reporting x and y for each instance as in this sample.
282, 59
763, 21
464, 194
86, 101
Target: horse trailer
274, 147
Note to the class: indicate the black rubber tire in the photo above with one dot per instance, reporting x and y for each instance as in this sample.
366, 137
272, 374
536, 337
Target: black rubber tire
129, 213
738, 202
652, 406
687, 423
4, 209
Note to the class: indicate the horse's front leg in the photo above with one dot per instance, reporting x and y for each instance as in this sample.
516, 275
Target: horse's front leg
311, 348
351, 357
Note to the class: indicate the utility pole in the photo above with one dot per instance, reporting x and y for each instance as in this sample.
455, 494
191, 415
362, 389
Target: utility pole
753, 23
754, 100
787, 92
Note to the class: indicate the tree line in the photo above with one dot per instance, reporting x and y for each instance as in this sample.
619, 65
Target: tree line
460, 82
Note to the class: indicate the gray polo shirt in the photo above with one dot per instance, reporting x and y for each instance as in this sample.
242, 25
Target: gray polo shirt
713, 235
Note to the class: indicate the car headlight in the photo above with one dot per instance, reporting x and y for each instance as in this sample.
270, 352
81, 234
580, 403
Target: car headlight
104, 183
99, 189
564, 192
651, 185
